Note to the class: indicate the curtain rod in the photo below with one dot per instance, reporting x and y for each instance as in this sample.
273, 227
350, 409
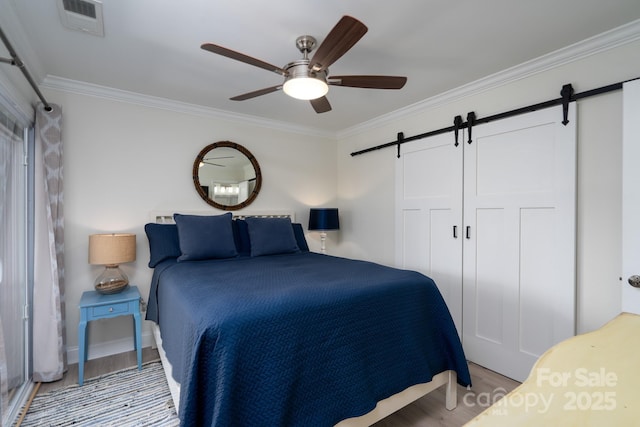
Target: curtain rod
567, 96
15, 60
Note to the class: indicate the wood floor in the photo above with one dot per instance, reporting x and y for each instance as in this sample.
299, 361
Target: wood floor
428, 411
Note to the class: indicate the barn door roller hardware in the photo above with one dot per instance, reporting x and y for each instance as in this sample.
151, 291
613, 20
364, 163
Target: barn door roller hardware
471, 120
566, 93
16, 61
457, 123
566, 96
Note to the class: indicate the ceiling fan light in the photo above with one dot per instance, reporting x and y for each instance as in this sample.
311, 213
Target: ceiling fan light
305, 88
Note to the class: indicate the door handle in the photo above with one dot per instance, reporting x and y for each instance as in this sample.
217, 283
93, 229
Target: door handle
455, 231
634, 281
468, 232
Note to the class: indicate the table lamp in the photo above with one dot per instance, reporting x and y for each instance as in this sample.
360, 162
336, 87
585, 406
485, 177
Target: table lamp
111, 250
323, 220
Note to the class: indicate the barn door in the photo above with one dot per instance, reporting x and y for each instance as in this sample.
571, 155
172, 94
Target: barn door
631, 196
429, 215
519, 240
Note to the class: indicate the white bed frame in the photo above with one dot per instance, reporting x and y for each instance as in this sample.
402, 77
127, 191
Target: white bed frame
384, 407
174, 386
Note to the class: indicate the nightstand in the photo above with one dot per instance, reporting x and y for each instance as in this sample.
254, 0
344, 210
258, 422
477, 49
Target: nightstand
94, 305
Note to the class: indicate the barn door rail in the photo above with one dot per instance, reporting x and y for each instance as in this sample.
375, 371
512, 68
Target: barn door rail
566, 96
16, 61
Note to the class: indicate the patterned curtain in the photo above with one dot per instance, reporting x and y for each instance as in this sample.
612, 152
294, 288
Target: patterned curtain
49, 334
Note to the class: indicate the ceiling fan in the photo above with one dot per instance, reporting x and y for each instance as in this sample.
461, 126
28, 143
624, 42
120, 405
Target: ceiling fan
309, 78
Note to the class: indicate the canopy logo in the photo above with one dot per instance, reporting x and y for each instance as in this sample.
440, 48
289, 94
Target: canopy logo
578, 390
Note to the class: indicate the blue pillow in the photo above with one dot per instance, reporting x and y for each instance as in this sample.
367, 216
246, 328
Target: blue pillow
205, 237
163, 242
270, 236
241, 234
300, 239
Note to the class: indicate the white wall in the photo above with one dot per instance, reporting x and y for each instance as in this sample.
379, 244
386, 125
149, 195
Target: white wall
366, 182
122, 161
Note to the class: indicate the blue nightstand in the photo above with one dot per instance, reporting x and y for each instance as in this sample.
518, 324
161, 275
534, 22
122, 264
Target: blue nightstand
94, 305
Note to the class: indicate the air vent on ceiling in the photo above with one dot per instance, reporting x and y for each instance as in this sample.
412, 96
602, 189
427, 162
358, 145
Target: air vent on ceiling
82, 15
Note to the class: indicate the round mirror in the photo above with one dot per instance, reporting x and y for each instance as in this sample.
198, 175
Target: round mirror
227, 176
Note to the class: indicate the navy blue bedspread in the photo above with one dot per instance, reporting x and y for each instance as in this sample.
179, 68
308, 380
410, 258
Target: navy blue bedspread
298, 340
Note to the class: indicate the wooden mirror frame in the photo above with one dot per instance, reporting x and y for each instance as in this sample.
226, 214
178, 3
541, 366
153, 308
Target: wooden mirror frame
201, 191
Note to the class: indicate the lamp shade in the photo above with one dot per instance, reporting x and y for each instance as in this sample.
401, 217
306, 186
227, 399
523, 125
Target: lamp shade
112, 249
324, 219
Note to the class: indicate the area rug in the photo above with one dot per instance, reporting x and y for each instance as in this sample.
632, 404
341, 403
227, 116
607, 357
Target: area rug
125, 398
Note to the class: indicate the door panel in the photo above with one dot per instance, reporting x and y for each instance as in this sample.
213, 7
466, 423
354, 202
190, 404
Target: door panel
414, 251
13, 267
515, 163
519, 259
631, 195
536, 265
489, 278
428, 206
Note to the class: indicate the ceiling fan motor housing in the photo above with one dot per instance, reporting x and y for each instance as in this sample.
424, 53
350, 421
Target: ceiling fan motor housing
305, 44
300, 69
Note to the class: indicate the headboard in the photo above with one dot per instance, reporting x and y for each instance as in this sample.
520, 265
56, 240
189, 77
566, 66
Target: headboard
166, 217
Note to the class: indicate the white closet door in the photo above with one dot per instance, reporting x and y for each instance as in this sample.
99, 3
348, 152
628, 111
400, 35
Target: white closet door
428, 206
631, 195
519, 254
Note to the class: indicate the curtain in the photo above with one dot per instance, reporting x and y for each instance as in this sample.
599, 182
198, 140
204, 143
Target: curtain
49, 334
12, 258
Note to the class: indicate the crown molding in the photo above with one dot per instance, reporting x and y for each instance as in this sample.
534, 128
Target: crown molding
617, 37
104, 92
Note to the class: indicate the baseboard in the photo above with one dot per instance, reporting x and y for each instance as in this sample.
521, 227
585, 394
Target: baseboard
109, 348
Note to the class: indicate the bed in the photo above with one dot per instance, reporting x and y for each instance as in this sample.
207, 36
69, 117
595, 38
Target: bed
587, 380
254, 329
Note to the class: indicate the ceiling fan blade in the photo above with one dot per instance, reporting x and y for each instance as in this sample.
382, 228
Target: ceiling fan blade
214, 48
321, 105
369, 82
340, 39
255, 93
